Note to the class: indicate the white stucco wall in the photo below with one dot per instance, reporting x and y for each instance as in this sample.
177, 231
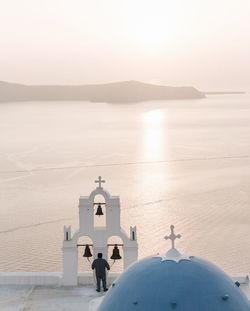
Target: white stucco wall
30, 278
48, 278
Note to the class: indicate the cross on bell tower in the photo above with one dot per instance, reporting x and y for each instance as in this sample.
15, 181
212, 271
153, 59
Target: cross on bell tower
172, 236
100, 181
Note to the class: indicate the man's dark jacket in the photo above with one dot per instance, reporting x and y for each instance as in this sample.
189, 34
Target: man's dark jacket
99, 265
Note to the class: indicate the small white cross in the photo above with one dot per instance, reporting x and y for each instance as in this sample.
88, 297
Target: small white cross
100, 181
172, 236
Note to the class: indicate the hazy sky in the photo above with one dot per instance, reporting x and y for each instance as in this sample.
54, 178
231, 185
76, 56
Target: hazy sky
205, 43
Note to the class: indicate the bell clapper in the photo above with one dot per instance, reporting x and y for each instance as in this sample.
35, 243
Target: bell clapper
112, 264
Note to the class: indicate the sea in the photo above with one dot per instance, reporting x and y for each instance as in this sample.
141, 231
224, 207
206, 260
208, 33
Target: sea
182, 162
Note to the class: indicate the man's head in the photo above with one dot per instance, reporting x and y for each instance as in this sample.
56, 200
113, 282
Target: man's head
99, 255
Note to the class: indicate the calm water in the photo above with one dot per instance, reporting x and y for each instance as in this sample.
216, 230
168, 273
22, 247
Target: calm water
180, 162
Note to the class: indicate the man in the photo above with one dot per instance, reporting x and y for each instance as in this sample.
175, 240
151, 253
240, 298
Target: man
100, 265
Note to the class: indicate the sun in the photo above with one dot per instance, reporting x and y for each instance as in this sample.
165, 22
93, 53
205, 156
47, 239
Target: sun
153, 25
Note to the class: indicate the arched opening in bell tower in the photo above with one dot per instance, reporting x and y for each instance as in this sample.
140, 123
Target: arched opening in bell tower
99, 209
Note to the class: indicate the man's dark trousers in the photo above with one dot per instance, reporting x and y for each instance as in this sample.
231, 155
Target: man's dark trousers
98, 281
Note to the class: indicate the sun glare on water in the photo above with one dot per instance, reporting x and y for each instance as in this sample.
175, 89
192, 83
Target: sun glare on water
154, 136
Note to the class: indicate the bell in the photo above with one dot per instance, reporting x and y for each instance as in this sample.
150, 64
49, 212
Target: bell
99, 211
116, 253
87, 252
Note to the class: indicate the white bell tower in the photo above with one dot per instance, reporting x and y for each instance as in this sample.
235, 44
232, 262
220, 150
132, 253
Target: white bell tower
99, 235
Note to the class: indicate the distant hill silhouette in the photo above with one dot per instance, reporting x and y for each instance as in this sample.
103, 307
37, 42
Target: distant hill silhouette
224, 93
117, 92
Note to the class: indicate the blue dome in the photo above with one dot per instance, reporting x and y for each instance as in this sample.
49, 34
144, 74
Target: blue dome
187, 284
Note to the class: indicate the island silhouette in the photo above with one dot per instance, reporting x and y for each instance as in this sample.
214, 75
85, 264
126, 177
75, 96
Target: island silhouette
116, 92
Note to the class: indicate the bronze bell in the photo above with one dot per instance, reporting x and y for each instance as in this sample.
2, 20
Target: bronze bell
99, 211
87, 252
116, 253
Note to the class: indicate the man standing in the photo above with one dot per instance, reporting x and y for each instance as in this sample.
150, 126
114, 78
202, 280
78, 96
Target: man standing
100, 265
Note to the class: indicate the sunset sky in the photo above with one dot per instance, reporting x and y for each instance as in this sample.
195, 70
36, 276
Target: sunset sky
205, 43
